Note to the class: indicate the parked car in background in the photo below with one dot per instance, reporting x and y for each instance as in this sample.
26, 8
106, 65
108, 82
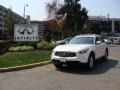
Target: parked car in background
61, 42
81, 49
114, 40
108, 41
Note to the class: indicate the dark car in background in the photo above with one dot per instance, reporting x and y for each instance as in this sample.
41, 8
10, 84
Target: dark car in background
64, 41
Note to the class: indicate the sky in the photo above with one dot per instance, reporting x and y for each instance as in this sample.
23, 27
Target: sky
37, 9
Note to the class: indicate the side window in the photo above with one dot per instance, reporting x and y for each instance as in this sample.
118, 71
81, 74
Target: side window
97, 39
101, 39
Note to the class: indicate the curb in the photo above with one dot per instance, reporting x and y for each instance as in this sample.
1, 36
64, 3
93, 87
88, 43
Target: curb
28, 66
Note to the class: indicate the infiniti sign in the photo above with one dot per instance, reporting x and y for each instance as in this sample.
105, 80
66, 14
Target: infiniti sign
26, 32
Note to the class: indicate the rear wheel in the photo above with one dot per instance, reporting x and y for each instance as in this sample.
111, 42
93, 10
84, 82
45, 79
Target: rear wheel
90, 64
106, 55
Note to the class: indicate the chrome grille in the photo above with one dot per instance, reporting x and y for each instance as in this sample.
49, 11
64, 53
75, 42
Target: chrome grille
65, 54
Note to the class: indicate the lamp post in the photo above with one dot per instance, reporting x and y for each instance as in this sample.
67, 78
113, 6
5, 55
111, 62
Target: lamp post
108, 25
26, 5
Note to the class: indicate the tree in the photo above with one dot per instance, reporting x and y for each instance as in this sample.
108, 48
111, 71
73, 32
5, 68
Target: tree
48, 37
52, 19
52, 9
75, 16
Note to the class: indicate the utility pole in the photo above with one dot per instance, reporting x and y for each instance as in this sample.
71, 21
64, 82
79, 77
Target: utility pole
108, 25
26, 5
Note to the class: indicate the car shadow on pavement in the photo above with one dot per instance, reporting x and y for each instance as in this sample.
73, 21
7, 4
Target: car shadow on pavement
100, 68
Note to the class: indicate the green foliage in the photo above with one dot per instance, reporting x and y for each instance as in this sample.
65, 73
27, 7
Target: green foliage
83, 31
43, 45
26, 48
21, 48
15, 49
11, 59
76, 16
4, 46
48, 37
52, 46
33, 44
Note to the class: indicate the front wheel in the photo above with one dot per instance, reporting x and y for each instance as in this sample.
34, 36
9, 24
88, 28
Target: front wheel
105, 58
90, 64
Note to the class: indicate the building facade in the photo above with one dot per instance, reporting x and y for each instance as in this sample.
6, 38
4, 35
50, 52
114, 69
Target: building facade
40, 27
3, 18
104, 24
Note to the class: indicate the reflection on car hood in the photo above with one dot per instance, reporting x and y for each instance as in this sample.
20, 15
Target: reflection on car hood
72, 47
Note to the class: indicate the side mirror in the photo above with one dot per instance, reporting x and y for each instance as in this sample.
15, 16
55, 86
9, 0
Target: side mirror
66, 42
106, 41
98, 42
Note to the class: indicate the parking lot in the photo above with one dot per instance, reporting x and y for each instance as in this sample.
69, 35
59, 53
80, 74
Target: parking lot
105, 76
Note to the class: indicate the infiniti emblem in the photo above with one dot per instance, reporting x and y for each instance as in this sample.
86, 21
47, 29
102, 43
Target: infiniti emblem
63, 54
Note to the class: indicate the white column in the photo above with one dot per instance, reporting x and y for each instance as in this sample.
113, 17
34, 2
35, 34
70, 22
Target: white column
113, 26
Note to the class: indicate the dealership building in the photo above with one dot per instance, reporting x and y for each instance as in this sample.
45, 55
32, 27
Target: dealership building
105, 23
40, 28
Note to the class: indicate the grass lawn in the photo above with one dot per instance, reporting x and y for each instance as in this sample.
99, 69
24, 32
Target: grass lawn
11, 59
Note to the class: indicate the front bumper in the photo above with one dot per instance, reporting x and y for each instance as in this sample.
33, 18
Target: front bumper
81, 58
67, 62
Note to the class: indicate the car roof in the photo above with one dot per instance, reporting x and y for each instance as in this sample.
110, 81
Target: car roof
87, 35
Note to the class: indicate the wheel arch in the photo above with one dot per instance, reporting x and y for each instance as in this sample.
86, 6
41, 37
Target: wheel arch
93, 54
107, 50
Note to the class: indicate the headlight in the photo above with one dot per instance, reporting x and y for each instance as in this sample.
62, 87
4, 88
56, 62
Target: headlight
84, 51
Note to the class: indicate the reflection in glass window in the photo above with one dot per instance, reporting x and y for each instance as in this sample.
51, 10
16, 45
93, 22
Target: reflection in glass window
82, 40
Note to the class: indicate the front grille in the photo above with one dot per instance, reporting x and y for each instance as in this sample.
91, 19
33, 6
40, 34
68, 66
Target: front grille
65, 54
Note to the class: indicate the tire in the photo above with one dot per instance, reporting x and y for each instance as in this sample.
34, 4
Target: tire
58, 65
90, 64
105, 58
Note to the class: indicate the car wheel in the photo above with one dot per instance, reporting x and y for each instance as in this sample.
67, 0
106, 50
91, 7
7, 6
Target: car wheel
106, 55
90, 64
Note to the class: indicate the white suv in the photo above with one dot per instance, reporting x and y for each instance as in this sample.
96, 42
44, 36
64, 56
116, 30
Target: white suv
82, 49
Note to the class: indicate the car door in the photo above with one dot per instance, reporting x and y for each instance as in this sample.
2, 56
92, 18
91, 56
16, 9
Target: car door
103, 46
99, 48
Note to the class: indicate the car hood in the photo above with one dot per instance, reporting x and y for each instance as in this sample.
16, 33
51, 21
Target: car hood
72, 47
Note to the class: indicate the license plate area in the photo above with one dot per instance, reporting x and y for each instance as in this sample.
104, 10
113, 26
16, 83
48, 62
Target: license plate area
63, 60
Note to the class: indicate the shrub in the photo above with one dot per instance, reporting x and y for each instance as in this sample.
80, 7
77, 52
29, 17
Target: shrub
21, 48
15, 49
33, 44
26, 48
4, 45
48, 37
52, 46
43, 45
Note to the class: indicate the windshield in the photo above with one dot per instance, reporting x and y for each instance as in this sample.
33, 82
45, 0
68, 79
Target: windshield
82, 40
